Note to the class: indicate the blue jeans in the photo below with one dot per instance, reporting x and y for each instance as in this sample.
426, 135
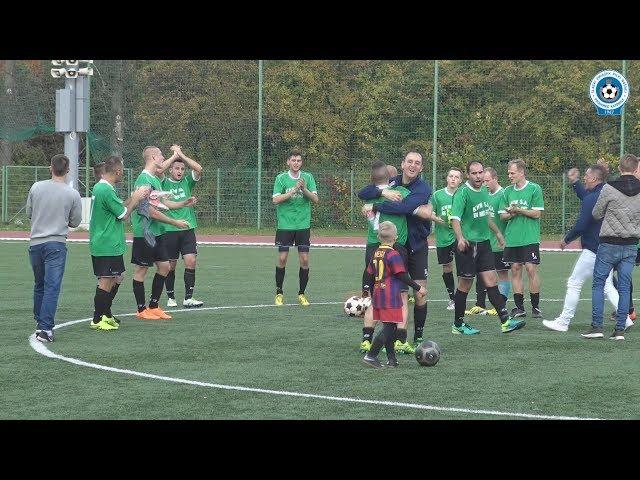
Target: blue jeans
47, 261
609, 257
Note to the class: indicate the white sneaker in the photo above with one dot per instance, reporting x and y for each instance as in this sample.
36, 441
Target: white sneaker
558, 325
192, 303
628, 324
172, 302
451, 305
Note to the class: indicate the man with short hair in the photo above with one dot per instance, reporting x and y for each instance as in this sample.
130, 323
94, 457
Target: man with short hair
107, 240
380, 174
618, 206
445, 238
53, 207
502, 269
293, 193
587, 229
472, 223
178, 241
521, 208
418, 231
143, 255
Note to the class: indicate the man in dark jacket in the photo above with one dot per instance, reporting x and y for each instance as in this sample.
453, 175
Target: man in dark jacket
618, 206
418, 231
587, 229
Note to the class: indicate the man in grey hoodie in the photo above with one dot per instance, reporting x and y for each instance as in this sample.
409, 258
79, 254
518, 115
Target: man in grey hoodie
53, 207
619, 207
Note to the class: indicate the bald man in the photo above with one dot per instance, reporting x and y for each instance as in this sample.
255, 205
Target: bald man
143, 255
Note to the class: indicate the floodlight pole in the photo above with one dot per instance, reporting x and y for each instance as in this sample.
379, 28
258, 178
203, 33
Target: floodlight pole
71, 141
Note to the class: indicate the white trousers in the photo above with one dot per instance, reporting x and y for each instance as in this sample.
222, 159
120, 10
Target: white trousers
582, 271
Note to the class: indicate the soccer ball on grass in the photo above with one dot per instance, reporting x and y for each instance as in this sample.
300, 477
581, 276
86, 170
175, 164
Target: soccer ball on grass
428, 353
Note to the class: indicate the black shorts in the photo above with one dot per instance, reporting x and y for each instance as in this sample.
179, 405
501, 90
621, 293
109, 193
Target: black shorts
289, 238
638, 258
372, 247
524, 254
108, 266
497, 260
182, 242
446, 254
418, 265
477, 258
145, 256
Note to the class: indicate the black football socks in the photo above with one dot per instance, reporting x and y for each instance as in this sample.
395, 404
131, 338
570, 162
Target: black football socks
138, 292
156, 290
189, 282
303, 275
419, 318
449, 284
279, 279
170, 283
461, 305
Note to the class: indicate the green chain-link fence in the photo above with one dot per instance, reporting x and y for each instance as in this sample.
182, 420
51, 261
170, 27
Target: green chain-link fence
342, 114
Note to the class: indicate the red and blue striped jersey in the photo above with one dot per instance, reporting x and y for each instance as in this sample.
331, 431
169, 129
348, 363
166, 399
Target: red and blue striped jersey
385, 264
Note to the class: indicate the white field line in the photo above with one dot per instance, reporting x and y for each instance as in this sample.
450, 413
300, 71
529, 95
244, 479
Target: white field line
43, 350
266, 244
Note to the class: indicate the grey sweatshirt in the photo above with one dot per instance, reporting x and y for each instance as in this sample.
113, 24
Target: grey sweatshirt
53, 207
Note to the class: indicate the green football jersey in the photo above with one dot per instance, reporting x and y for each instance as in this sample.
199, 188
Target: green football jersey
400, 221
295, 213
471, 208
106, 228
157, 228
442, 201
494, 205
181, 191
522, 230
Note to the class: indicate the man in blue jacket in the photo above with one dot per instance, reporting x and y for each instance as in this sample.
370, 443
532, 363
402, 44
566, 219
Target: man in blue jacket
588, 230
418, 231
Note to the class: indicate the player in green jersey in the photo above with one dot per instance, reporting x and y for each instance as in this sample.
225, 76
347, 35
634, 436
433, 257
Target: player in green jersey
504, 285
293, 193
441, 201
181, 242
521, 208
380, 175
143, 255
472, 223
107, 240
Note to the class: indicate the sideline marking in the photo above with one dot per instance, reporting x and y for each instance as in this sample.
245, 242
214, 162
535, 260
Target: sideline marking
268, 244
42, 349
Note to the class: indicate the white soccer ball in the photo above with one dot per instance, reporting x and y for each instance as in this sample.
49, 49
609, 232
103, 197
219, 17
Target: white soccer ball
609, 92
354, 306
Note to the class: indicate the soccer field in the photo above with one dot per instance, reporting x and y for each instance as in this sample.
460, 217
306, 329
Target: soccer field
241, 357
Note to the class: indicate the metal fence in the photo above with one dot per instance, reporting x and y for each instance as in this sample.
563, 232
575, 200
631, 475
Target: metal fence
240, 119
229, 197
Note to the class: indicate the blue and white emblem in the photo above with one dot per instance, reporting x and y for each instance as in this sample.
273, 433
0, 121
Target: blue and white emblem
609, 91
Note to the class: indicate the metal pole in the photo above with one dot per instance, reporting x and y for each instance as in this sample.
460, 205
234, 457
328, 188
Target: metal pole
259, 141
87, 150
71, 143
435, 123
622, 113
218, 195
564, 194
5, 193
351, 203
